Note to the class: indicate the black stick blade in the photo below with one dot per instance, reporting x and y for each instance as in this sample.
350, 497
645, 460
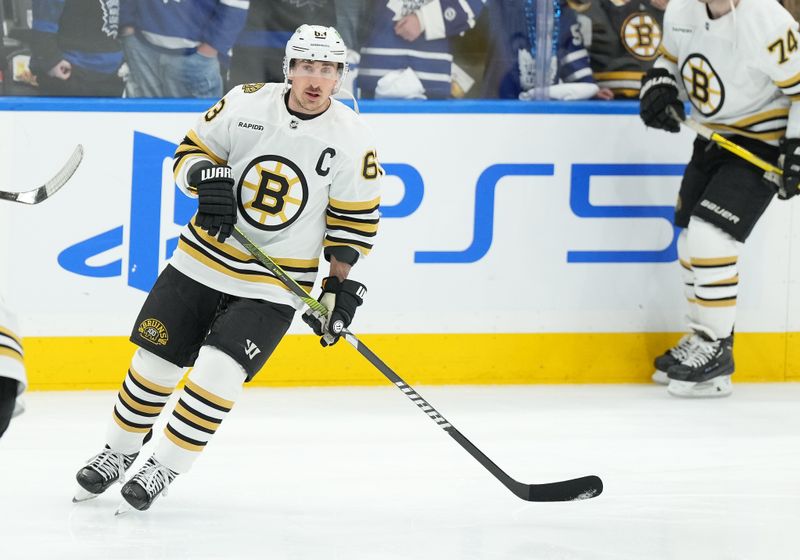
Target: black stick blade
565, 491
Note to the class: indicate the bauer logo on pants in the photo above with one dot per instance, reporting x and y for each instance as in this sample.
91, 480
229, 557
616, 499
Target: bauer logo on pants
154, 331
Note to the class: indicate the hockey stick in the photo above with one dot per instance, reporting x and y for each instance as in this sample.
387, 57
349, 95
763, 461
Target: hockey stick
566, 490
35, 196
772, 173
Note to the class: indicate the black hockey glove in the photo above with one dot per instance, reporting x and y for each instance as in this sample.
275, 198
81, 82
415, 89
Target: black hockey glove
341, 299
659, 91
216, 211
790, 154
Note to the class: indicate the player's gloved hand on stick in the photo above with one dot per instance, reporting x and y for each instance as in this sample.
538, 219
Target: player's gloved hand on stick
341, 298
216, 210
790, 154
659, 91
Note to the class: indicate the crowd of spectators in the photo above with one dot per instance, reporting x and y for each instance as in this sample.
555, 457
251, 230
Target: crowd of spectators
406, 49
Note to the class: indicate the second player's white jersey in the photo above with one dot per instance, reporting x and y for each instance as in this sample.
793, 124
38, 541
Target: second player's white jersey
741, 71
300, 185
11, 364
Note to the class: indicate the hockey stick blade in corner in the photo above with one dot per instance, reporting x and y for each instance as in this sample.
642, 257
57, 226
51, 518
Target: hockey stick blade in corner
563, 491
35, 196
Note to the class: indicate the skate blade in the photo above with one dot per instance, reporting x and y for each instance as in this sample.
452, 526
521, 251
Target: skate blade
82, 495
123, 508
713, 388
660, 377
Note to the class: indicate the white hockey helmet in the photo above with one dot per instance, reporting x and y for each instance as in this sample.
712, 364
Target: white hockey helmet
316, 42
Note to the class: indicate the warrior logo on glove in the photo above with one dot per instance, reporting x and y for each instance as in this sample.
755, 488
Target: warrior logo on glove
341, 298
216, 208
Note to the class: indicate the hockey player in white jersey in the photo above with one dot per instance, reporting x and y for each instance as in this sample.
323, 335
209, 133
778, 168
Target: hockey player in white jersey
12, 368
737, 62
298, 173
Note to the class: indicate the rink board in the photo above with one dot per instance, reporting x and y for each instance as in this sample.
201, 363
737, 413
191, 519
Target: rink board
520, 243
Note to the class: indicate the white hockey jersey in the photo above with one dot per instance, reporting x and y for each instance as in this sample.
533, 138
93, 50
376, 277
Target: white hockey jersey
741, 71
11, 354
300, 185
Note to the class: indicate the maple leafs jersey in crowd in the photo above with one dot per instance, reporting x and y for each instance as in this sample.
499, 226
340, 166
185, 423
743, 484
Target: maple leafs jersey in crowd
300, 185
11, 364
741, 71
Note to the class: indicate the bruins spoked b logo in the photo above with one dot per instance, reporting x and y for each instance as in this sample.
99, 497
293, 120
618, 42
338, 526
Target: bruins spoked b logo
641, 35
702, 84
272, 192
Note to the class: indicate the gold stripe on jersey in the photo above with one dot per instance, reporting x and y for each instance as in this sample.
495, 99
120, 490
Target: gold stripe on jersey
759, 118
227, 251
732, 281
360, 246
10, 335
789, 82
262, 277
714, 262
365, 227
354, 207
774, 134
10, 353
207, 397
192, 145
685, 264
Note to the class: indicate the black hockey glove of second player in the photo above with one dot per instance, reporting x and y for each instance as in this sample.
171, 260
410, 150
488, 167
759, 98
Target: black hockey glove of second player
216, 209
659, 91
341, 298
790, 153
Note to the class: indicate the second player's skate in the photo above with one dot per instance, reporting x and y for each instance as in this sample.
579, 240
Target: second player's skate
706, 372
672, 357
102, 470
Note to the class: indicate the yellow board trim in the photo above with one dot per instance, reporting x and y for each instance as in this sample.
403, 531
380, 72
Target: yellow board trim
77, 363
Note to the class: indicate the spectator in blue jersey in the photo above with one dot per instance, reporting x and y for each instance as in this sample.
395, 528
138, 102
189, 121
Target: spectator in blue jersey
260, 47
74, 48
515, 62
174, 47
408, 54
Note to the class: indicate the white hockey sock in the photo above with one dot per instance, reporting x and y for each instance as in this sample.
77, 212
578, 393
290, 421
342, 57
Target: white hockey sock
687, 274
209, 394
145, 391
714, 258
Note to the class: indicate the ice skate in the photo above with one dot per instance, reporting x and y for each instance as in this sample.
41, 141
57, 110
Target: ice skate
145, 486
102, 470
706, 372
672, 357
